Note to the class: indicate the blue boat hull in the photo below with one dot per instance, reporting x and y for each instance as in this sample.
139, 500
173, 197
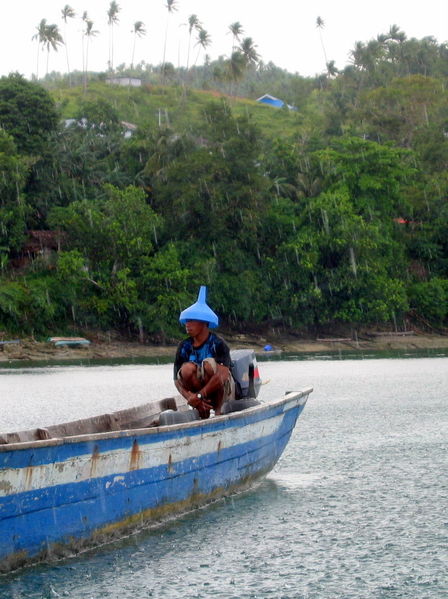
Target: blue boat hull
64, 495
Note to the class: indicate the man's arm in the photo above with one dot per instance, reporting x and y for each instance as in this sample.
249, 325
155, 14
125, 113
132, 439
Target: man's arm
183, 391
178, 361
203, 406
222, 353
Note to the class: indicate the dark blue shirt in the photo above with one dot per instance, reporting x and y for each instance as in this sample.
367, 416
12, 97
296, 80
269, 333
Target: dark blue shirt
213, 347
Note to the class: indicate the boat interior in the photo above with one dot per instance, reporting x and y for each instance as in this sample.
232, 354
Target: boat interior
142, 416
163, 412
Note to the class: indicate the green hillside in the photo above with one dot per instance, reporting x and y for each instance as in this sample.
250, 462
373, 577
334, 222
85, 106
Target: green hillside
179, 107
329, 218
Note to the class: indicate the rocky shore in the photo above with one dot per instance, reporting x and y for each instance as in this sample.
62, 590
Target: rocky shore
29, 350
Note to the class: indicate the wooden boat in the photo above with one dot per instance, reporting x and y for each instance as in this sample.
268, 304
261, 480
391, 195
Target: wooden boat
68, 341
72, 486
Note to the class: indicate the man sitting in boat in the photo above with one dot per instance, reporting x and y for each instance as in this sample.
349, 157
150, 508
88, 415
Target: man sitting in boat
202, 364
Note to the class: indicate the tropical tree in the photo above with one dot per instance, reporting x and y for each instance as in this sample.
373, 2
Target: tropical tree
171, 6
366, 57
112, 19
204, 40
236, 29
320, 25
67, 13
249, 52
89, 32
111, 241
40, 37
348, 269
235, 68
403, 110
53, 39
13, 208
27, 113
331, 69
396, 35
372, 174
193, 23
138, 31
84, 19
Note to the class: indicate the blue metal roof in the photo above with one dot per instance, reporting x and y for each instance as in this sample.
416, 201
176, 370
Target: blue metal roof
271, 100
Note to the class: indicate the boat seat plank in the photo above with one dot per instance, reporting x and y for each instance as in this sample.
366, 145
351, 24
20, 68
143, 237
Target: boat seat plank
131, 418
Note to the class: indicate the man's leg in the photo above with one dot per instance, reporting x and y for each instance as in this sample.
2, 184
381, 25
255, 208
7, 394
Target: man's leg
188, 375
215, 377
190, 381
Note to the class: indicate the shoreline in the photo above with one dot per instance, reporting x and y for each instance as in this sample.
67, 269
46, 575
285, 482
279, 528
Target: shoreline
28, 350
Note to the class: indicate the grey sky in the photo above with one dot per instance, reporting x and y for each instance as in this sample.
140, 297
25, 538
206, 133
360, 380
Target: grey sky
285, 30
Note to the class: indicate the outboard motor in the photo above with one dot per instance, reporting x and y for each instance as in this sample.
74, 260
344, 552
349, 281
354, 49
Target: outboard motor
245, 373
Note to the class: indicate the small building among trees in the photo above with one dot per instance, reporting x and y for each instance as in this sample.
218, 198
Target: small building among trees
273, 101
124, 81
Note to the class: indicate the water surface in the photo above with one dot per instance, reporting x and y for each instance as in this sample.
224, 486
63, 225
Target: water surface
356, 507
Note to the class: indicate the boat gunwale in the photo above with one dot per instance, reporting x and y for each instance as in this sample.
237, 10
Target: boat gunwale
156, 430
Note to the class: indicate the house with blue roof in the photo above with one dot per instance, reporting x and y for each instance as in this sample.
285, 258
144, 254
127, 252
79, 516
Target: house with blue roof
273, 101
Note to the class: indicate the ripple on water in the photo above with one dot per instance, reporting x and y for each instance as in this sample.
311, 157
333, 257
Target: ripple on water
355, 509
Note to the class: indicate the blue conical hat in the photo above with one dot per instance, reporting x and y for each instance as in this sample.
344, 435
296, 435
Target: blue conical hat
200, 311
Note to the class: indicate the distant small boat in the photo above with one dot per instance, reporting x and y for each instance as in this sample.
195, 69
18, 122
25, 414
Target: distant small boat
269, 350
68, 341
73, 486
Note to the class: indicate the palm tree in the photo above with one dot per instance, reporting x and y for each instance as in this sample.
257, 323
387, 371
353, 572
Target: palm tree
235, 67
171, 7
247, 49
88, 33
236, 29
204, 40
331, 68
67, 13
396, 35
52, 40
320, 25
84, 19
138, 31
40, 37
357, 55
112, 16
366, 57
193, 23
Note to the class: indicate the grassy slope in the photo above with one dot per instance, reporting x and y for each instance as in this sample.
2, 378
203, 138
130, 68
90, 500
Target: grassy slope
182, 107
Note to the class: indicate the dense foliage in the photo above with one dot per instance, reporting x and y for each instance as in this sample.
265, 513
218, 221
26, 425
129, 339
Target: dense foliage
329, 217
